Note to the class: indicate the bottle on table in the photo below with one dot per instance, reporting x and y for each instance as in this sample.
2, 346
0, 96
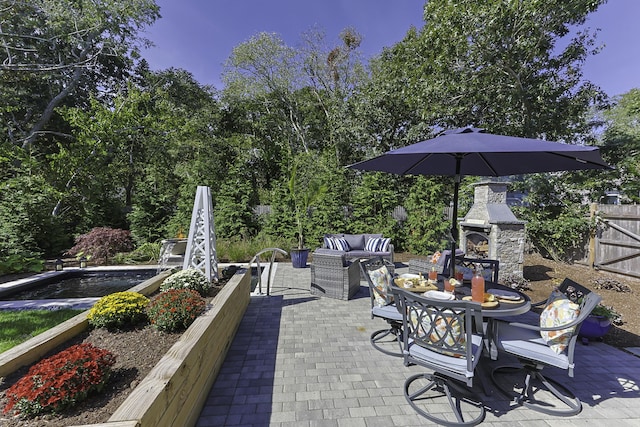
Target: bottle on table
477, 285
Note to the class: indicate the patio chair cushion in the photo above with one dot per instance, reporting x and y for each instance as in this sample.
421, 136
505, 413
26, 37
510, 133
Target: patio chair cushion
559, 312
443, 360
528, 344
381, 279
387, 312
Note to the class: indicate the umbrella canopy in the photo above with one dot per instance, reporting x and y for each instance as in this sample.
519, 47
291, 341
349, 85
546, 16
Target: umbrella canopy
471, 151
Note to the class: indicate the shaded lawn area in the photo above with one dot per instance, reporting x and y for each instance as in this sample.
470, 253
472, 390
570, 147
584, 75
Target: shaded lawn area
19, 326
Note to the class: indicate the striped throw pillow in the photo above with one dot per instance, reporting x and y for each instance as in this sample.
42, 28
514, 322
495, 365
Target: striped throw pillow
341, 244
377, 244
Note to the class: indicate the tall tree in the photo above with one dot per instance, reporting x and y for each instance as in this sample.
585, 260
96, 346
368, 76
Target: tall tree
621, 139
52, 49
266, 71
334, 74
501, 65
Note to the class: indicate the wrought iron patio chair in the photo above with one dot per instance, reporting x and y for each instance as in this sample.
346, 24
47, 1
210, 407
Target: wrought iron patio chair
379, 277
490, 267
525, 342
445, 337
572, 290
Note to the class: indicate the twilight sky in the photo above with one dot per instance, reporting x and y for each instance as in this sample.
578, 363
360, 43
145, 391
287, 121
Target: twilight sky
199, 35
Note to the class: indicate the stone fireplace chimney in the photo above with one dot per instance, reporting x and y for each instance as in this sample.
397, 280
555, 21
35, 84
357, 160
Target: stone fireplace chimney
491, 230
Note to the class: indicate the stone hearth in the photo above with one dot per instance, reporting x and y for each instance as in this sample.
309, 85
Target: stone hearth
491, 230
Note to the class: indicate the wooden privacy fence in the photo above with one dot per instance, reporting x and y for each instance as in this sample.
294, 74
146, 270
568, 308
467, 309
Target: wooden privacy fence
615, 245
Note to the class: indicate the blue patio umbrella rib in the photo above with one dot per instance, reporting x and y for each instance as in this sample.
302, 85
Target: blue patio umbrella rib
486, 162
416, 164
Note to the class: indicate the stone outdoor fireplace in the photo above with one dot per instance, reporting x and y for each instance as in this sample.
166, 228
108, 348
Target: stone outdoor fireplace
491, 230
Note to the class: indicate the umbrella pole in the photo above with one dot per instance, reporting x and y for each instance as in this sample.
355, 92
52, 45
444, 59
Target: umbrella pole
454, 218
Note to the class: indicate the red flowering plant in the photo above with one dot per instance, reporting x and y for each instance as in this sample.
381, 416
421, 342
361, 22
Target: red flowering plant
175, 309
60, 381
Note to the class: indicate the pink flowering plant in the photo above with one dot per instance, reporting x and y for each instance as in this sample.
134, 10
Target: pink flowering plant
60, 381
175, 309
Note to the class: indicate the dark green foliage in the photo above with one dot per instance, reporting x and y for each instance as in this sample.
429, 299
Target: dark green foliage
19, 263
151, 213
27, 226
426, 223
101, 243
281, 221
374, 199
557, 222
622, 146
234, 205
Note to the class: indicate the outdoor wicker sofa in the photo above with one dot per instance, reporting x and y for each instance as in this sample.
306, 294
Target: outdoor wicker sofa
357, 246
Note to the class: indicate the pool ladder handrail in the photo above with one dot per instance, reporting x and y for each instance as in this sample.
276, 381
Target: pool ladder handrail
256, 259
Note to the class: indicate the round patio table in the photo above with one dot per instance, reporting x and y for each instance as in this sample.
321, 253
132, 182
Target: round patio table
503, 309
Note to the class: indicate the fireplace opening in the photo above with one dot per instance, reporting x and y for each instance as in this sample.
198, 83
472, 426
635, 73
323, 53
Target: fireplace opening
477, 245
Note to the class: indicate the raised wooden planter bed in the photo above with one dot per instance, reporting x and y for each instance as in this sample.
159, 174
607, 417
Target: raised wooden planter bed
175, 390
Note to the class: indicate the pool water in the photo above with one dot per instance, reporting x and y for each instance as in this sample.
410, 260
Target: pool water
87, 285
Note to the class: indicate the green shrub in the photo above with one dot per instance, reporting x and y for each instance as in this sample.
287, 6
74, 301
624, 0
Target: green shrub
118, 310
61, 380
243, 250
20, 263
175, 309
190, 278
145, 253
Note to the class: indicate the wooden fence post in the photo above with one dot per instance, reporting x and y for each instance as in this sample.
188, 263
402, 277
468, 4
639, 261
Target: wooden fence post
593, 207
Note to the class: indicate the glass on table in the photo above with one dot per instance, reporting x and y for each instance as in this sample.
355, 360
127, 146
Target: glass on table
433, 275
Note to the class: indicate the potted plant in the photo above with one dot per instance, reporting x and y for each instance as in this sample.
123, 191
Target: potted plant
598, 323
303, 197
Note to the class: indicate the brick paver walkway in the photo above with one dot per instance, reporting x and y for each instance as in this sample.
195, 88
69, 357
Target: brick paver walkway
301, 360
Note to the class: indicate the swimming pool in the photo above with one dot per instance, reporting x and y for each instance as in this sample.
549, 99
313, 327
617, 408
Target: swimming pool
79, 284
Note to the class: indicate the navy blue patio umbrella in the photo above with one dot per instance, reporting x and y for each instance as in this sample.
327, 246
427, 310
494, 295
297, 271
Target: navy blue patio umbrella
472, 151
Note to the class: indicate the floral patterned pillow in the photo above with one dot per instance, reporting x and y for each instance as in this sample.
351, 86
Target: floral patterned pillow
559, 312
442, 329
381, 280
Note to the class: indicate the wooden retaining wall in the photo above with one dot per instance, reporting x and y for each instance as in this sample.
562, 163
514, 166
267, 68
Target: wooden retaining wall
175, 391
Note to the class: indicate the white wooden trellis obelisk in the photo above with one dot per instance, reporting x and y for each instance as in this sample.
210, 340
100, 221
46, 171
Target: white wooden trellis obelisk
201, 243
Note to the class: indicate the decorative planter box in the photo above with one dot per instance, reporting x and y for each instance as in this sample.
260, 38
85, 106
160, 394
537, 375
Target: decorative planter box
175, 390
